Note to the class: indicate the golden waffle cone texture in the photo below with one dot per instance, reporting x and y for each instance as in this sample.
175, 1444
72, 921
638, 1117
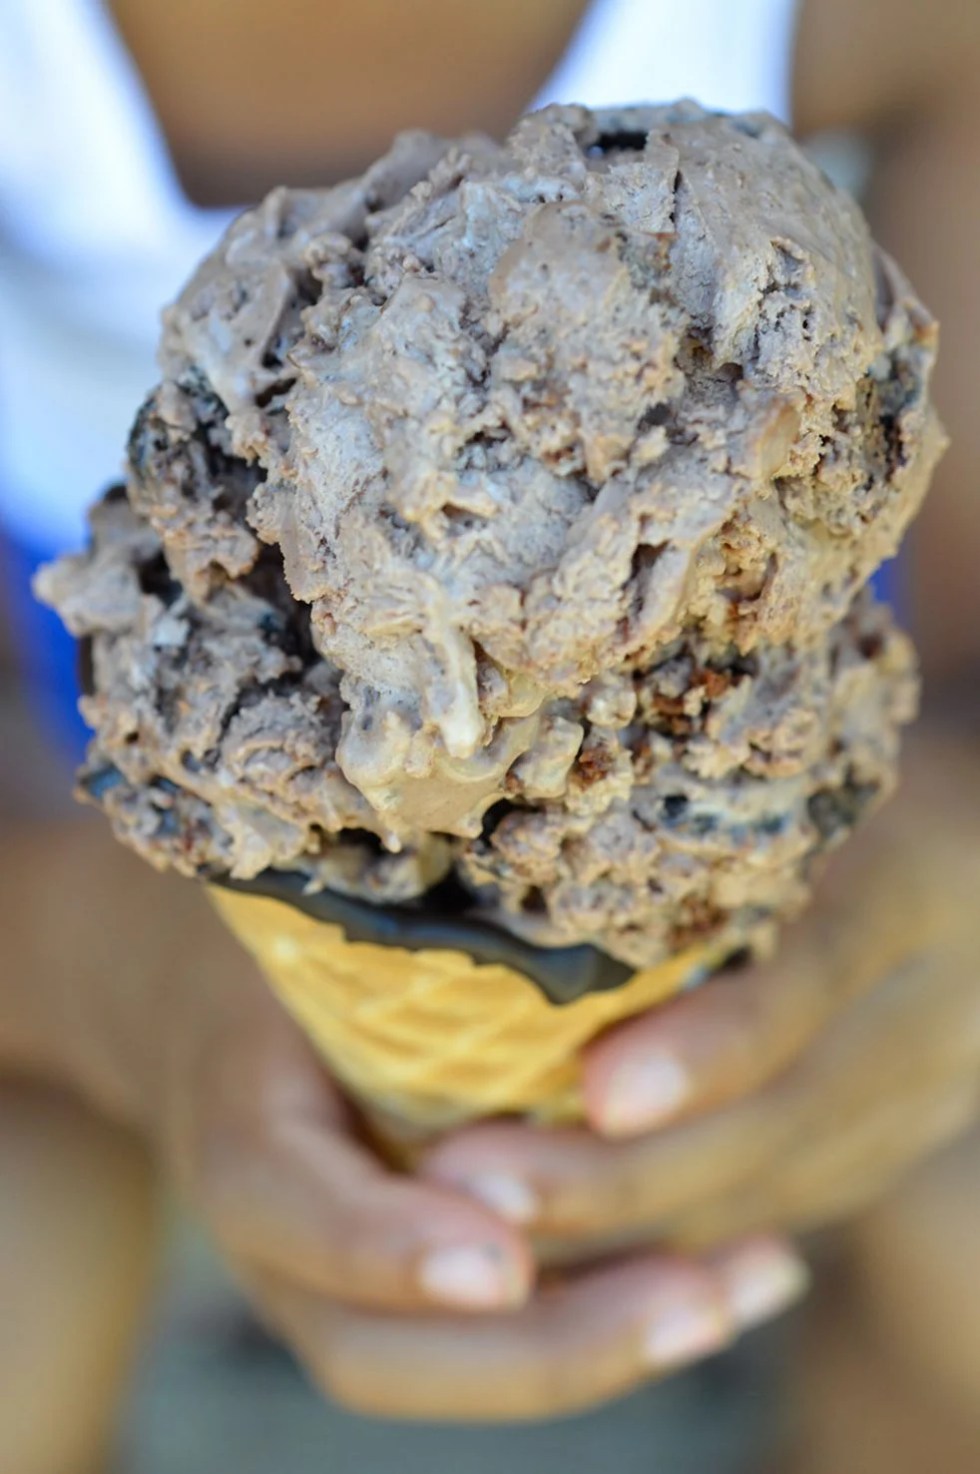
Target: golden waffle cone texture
431, 1039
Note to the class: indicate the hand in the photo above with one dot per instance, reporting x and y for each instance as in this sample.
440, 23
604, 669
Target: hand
401, 1296
837, 1066
405, 1297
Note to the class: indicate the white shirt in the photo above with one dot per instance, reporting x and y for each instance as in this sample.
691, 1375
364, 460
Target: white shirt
96, 233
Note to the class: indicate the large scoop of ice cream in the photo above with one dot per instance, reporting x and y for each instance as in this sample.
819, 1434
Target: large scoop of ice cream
509, 509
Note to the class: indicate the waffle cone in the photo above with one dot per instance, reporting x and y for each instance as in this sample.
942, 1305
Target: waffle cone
427, 1040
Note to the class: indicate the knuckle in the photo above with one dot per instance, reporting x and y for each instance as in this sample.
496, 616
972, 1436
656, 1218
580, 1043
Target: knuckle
213, 1127
554, 1382
752, 1029
342, 1378
218, 1174
573, 1215
543, 1378
206, 1147
729, 1033
767, 1027
612, 1199
354, 1275
554, 1387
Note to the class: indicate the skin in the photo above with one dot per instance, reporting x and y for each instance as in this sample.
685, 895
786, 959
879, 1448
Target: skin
805, 1085
914, 1308
58, 1164
444, 66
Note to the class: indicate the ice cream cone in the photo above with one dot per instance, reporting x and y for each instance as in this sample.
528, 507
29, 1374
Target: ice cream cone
493, 605
426, 1040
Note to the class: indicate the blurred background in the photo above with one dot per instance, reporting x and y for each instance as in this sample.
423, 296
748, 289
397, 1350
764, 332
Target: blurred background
125, 126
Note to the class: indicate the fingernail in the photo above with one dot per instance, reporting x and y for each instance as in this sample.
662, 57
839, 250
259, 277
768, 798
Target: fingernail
685, 1333
761, 1281
508, 1196
472, 1277
644, 1093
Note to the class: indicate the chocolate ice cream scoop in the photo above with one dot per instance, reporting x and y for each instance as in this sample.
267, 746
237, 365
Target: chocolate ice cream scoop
507, 514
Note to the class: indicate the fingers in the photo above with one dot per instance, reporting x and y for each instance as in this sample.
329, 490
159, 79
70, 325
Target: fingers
738, 1031
270, 1160
826, 1182
798, 1154
572, 1184
316, 1206
575, 1344
761, 1277
706, 1048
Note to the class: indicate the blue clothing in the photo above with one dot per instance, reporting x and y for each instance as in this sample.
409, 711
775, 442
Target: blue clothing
48, 653
890, 583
